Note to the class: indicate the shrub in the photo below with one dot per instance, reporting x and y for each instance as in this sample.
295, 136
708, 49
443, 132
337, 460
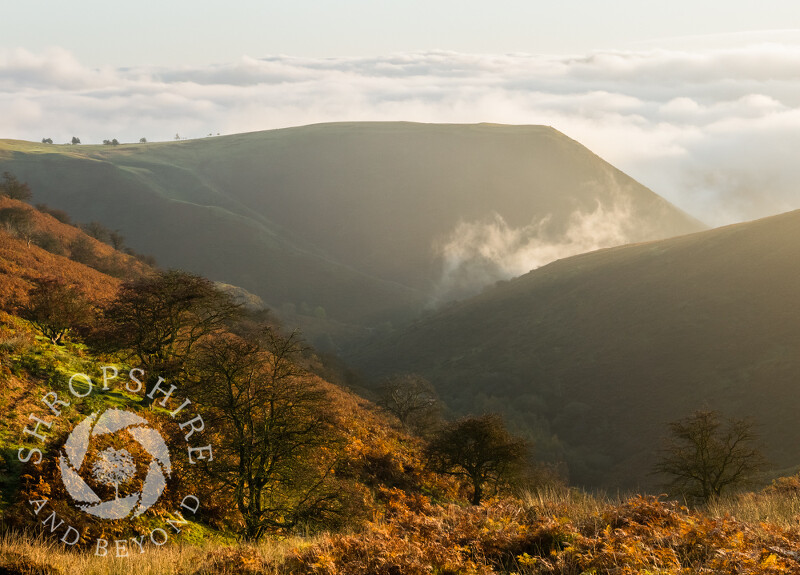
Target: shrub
11, 187
18, 222
49, 242
60, 215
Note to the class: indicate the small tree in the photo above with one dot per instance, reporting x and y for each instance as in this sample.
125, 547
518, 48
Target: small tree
706, 454
160, 318
142, 140
47, 140
279, 445
98, 231
412, 399
75, 140
18, 222
116, 239
480, 450
55, 308
11, 187
49, 242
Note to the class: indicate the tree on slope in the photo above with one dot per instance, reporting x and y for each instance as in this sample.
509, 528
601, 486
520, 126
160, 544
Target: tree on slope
706, 455
278, 443
55, 308
14, 189
480, 450
412, 399
160, 319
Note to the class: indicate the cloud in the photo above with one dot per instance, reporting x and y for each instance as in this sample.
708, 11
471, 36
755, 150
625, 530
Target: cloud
714, 130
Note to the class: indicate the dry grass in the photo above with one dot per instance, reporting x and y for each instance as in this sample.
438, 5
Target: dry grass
574, 503
556, 531
21, 553
776, 505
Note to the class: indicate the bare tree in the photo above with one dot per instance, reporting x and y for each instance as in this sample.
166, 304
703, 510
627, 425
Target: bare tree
279, 445
480, 450
412, 399
705, 454
55, 308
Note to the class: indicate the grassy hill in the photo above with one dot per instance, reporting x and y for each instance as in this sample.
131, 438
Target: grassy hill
338, 220
594, 354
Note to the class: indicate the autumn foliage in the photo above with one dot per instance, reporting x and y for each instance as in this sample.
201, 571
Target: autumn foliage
641, 535
23, 263
385, 501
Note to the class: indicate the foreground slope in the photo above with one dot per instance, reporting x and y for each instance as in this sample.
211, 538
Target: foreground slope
594, 354
372, 450
345, 217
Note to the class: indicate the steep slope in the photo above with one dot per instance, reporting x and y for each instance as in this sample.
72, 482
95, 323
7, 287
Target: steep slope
375, 452
594, 354
23, 263
351, 218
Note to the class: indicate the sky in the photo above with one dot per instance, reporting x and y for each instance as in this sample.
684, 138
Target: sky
698, 101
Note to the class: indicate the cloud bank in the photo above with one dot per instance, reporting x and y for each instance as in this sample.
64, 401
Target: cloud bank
713, 131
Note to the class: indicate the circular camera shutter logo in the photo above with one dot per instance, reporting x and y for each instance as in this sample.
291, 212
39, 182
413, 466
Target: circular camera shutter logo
114, 466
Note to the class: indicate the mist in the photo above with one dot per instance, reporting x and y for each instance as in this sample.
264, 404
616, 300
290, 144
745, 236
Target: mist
479, 253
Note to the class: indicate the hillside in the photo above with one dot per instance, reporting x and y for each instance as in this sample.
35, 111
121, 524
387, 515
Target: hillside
360, 223
370, 451
594, 354
400, 516
21, 263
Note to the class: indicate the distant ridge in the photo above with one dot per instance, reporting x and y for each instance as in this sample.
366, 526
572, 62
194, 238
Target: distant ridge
341, 219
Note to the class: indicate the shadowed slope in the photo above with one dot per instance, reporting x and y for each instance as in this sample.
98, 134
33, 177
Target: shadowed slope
593, 354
